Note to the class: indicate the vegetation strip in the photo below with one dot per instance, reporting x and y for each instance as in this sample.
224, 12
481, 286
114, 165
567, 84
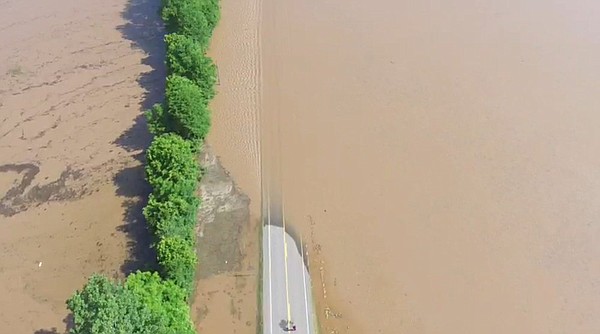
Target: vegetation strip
151, 302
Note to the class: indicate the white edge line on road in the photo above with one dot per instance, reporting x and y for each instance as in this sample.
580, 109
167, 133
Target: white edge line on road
304, 282
285, 257
270, 267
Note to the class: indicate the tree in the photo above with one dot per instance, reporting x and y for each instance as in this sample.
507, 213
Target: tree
187, 109
171, 167
186, 58
178, 260
173, 216
104, 307
157, 120
187, 17
212, 12
165, 301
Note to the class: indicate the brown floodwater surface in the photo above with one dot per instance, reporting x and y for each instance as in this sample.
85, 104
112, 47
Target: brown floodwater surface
75, 77
234, 134
448, 155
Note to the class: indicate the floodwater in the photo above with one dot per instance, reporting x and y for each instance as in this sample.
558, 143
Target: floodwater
226, 294
441, 157
75, 78
235, 130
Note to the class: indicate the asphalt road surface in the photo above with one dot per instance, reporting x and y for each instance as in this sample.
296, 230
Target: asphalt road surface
286, 284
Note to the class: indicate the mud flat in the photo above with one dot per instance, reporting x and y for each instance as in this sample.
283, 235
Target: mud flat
228, 252
74, 78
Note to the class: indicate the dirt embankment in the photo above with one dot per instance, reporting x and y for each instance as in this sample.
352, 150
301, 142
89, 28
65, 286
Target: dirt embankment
228, 250
74, 79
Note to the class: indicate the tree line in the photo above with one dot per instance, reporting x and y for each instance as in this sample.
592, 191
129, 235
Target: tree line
157, 302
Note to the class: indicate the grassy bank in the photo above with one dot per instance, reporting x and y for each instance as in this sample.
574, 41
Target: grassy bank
158, 302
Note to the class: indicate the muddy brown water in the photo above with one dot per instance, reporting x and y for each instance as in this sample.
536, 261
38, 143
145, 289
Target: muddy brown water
74, 80
441, 157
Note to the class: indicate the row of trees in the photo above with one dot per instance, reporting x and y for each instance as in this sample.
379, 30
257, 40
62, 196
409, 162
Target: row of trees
150, 302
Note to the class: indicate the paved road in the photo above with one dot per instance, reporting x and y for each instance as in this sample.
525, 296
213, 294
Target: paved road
286, 284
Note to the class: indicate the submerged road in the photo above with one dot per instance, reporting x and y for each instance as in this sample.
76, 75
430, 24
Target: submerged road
286, 284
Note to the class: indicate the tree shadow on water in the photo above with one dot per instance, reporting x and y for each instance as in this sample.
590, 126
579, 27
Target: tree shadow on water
131, 184
144, 29
68, 321
136, 138
53, 330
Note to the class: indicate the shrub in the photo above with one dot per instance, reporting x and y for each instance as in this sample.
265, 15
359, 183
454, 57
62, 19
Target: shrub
173, 216
187, 17
104, 307
171, 167
157, 120
145, 304
187, 109
212, 12
186, 58
177, 258
164, 300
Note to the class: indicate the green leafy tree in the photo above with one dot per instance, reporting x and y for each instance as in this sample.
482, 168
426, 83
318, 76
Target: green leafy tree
147, 303
187, 17
104, 307
212, 12
171, 167
187, 109
186, 58
165, 301
173, 216
157, 120
177, 258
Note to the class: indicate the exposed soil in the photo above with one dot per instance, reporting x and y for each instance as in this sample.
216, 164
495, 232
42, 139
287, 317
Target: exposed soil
74, 79
228, 249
